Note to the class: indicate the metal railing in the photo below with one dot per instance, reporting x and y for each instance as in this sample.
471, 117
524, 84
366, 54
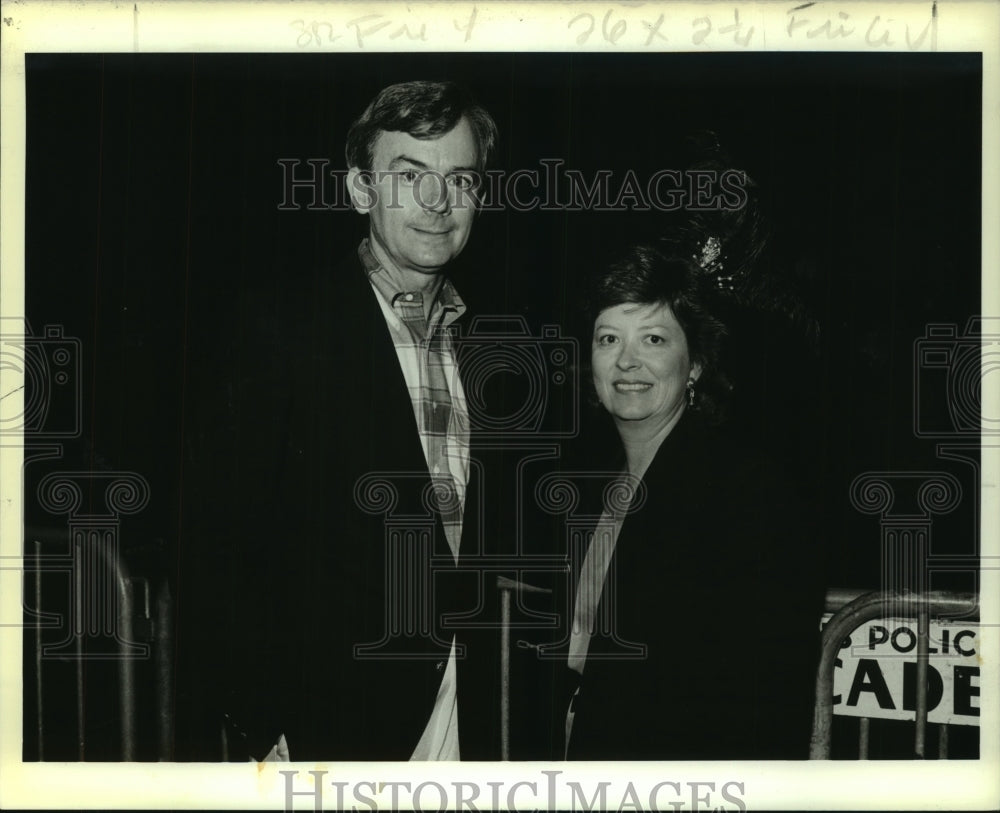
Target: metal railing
850, 609
507, 588
143, 621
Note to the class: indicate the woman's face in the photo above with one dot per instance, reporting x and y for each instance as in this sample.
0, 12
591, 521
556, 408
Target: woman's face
641, 365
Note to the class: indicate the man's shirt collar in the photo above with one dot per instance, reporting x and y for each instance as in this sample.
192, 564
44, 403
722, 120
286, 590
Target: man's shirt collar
448, 305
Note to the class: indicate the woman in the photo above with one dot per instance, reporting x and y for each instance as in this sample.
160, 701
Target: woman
696, 610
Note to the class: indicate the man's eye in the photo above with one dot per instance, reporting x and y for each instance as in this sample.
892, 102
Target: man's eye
464, 180
408, 176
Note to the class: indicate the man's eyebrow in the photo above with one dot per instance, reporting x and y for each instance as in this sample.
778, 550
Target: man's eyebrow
405, 159
416, 162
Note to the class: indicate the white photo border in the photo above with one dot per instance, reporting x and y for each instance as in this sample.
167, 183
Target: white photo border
293, 27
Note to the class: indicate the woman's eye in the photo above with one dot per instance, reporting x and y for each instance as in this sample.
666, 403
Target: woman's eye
654, 339
606, 339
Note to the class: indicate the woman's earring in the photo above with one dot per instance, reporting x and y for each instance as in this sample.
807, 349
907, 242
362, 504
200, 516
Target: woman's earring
690, 392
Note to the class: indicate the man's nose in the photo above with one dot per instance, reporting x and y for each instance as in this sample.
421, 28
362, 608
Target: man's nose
435, 196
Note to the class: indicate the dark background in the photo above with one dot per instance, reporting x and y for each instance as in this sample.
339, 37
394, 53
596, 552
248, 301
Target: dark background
154, 236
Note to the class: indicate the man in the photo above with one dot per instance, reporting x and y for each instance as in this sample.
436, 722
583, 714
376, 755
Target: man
372, 480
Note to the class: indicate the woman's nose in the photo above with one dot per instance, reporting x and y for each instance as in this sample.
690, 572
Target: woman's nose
628, 358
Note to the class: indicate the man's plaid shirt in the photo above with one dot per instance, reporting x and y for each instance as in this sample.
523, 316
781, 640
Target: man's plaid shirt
426, 356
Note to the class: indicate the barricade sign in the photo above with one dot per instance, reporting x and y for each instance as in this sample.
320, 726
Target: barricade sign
876, 671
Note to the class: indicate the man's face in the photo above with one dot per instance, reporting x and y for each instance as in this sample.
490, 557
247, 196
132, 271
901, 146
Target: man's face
420, 200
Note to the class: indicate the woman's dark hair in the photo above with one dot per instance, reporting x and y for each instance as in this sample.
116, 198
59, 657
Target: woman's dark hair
422, 110
662, 274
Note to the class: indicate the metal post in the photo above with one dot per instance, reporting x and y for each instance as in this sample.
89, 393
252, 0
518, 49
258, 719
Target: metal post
864, 729
78, 636
126, 668
39, 694
943, 741
861, 609
923, 646
504, 673
164, 652
506, 587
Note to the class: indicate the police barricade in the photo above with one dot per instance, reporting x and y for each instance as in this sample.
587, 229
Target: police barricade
898, 657
909, 657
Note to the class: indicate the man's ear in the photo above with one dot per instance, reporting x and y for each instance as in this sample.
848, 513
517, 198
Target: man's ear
361, 192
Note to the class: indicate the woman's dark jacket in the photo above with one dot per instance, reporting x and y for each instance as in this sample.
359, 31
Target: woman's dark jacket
714, 576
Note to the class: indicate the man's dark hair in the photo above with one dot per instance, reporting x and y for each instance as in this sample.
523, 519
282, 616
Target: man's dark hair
422, 110
662, 275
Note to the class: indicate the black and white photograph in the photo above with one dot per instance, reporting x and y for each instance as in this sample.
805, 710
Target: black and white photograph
409, 393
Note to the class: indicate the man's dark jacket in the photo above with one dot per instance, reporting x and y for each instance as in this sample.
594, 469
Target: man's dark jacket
328, 638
